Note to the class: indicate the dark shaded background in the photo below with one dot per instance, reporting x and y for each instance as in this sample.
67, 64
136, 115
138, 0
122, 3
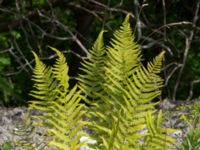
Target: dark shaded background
72, 26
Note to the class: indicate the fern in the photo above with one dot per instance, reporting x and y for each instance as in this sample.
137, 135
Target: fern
136, 101
62, 112
123, 57
157, 138
91, 79
119, 89
120, 112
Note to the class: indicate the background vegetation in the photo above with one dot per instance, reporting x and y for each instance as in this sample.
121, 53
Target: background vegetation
73, 25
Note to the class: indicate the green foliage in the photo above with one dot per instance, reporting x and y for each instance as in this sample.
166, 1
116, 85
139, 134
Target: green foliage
119, 90
91, 82
62, 112
191, 118
192, 140
15, 34
9, 86
157, 138
192, 115
6, 86
121, 103
7, 146
123, 57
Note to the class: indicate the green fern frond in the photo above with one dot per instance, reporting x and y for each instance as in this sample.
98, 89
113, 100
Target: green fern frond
123, 57
62, 112
145, 84
158, 138
136, 101
67, 122
154, 67
41, 77
60, 70
91, 79
124, 50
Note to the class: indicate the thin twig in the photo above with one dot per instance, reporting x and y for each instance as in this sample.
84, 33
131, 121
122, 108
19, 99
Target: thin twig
167, 26
66, 29
164, 19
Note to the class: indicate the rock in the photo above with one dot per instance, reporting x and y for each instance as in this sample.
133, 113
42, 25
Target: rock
166, 104
11, 126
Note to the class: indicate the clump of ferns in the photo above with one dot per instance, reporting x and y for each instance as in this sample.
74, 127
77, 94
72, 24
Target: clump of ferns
119, 91
61, 108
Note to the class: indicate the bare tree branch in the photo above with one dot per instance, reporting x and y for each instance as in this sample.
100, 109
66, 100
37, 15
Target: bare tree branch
192, 83
187, 48
32, 15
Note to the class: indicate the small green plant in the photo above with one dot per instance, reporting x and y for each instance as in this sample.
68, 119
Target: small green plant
191, 118
7, 146
191, 141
